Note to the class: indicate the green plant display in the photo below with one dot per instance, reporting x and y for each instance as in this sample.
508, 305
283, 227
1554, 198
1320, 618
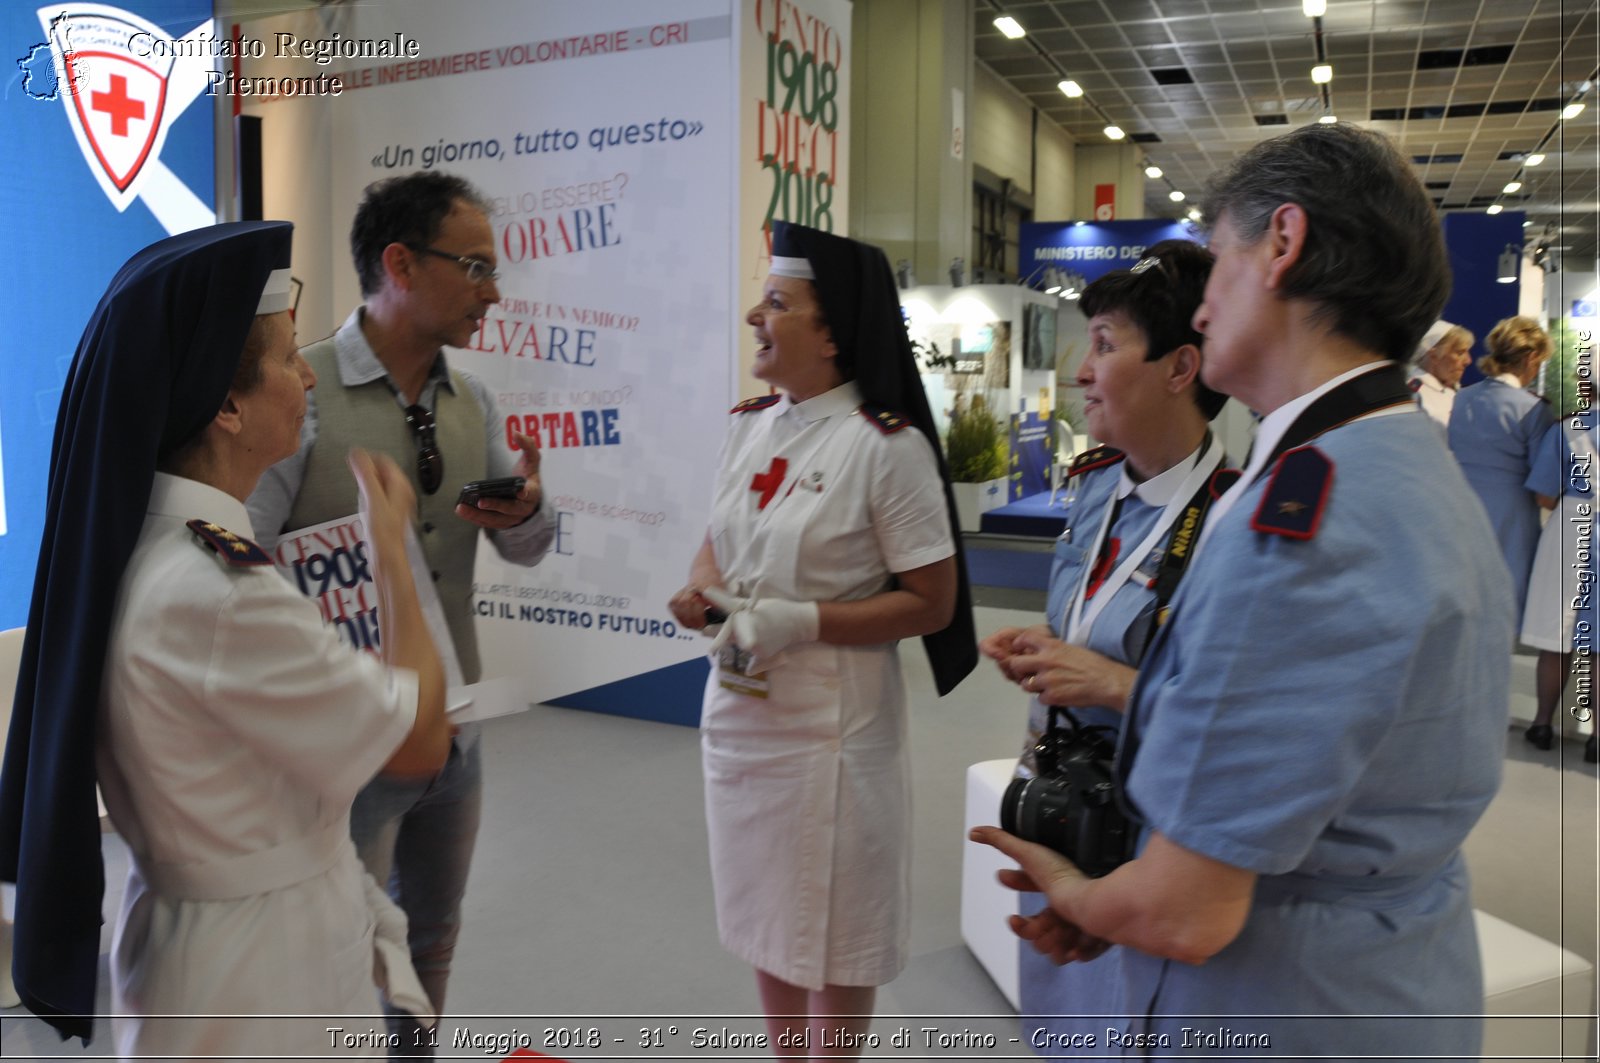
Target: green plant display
977, 447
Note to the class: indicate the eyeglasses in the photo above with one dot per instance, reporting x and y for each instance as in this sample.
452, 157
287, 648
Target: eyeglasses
430, 463
478, 271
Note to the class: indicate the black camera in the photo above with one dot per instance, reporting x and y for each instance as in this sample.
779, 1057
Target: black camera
1071, 805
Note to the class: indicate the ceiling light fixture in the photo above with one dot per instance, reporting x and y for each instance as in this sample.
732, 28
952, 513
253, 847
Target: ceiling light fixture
1571, 111
1512, 186
1071, 89
1533, 160
1153, 172
1328, 119
1509, 259
1175, 195
1010, 27
1322, 73
1494, 208
1115, 132
1314, 8
1194, 214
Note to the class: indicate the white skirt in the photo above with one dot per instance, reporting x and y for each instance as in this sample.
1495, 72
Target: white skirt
808, 815
1561, 587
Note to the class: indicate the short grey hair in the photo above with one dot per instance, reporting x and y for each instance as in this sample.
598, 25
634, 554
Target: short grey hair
1374, 260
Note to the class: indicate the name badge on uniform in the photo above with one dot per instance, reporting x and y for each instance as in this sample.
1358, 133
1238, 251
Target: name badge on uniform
731, 665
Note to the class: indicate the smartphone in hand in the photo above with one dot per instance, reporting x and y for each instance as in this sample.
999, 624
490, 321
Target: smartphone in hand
503, 487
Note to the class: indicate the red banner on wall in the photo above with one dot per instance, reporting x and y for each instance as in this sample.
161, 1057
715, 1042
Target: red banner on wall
1105, 202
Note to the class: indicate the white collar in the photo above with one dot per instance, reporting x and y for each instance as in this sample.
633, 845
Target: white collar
1510, 380
1276, 423
175, 496
842, 399
1160, 488
1428, 380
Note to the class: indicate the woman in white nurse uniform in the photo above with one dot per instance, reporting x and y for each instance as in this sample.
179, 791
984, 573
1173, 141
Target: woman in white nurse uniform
832, 537
228, 726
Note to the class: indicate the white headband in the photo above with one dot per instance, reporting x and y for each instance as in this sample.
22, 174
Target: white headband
275, 296
792, 267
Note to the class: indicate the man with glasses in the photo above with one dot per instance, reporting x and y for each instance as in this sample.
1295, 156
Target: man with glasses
424, 251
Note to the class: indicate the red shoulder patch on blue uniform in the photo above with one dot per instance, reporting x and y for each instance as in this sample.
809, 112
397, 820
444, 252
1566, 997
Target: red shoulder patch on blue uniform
1415, 385
1096, 458
885, 420
1295, 497
236, 550
751, 405
1223, 479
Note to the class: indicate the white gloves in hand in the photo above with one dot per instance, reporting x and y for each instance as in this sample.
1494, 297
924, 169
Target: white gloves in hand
763, 628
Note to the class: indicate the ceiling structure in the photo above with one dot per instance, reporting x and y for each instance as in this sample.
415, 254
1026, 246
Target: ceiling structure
1466, 88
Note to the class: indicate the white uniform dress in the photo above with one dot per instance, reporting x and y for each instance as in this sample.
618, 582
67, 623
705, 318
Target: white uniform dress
1561, 588
1435, 399
235, 730
807, 788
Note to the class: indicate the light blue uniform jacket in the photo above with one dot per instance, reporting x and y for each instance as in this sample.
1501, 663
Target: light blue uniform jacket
1119, 632
1331, 715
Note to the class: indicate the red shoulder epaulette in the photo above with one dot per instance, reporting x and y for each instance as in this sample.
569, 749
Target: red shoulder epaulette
1222, 480
234, 549
1296, 495
1095, 458
885, 420
751, 405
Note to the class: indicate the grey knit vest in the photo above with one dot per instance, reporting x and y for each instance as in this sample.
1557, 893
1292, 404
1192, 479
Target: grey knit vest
367, 415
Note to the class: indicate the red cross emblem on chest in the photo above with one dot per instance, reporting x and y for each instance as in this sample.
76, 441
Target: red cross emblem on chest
768, 482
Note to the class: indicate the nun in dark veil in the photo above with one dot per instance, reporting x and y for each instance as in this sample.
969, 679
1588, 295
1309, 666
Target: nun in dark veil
227, 726
832, 537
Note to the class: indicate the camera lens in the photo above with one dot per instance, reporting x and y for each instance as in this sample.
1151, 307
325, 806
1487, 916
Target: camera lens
1036, 810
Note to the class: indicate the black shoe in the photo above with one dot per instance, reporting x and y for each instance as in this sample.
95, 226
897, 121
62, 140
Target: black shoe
1540, 736
1591, 752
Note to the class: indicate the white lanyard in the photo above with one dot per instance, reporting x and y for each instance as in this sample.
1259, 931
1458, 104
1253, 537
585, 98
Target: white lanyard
1082, 615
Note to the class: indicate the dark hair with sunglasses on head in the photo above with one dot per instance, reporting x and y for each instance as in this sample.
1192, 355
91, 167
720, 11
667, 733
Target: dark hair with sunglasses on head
1159, 294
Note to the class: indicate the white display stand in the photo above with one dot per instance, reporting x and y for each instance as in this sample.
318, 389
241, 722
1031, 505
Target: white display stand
989, 329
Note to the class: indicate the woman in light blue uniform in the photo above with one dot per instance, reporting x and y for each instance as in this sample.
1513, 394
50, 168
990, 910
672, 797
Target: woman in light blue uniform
1142, 394
1494, 427
1560, 618
1320, 722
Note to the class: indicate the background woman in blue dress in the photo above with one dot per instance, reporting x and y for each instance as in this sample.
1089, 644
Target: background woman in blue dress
1494, 427
1143, 399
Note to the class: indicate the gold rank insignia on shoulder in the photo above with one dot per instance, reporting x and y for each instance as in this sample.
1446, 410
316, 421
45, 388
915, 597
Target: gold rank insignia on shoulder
236, 550
1293, 502
887, 421
1095, 458
758, 403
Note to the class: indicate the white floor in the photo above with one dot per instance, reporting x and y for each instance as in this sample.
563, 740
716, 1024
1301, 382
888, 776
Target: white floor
590, 905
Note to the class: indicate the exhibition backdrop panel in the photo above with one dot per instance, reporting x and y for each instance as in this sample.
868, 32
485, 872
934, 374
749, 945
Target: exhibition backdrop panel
605, 135
108, 146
